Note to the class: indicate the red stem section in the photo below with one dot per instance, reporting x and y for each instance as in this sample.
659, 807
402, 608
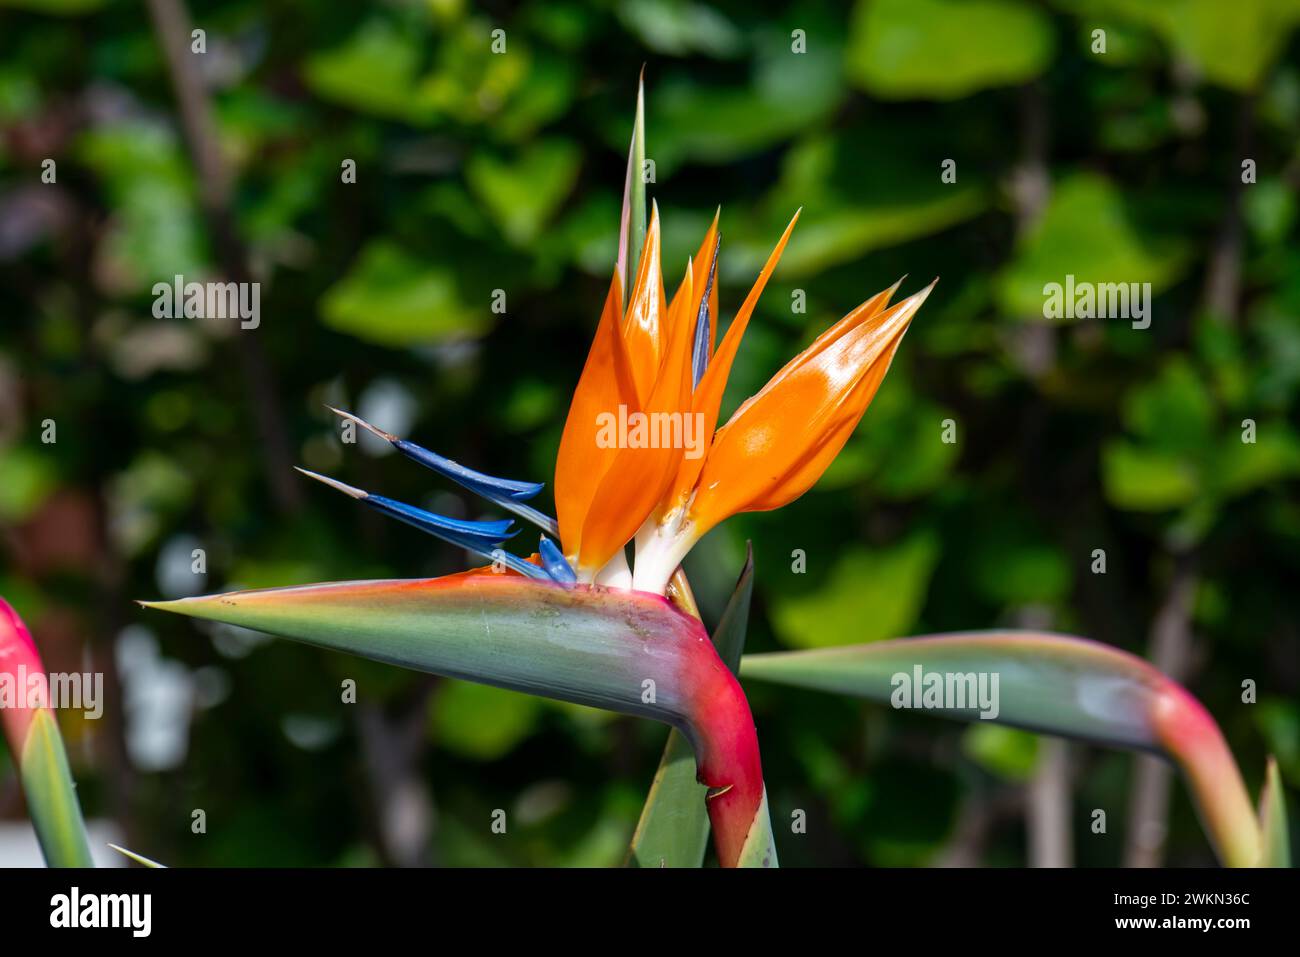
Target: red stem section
726, 750
1195, 742
19, 660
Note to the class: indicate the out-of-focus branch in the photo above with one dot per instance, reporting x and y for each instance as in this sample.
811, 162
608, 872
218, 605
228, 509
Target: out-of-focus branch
403, 801
1048, 807
172, 27
1223, 275
1048, 800
1033, 342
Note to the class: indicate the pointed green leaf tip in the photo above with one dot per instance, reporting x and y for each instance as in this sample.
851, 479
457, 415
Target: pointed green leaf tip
1276, 850
138, 858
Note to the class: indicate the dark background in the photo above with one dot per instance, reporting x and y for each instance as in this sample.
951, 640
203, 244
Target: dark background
478, 172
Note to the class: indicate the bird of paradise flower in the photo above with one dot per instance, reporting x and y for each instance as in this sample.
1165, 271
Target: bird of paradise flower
575, 621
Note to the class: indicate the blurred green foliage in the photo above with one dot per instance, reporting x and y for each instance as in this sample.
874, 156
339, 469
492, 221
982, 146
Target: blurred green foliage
478, 172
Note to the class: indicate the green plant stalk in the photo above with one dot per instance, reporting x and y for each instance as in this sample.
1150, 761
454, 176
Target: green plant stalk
1054, 684
32, 734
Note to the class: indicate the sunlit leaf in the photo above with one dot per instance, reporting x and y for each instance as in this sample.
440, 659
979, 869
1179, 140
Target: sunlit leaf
1085, 232
523, 193
945, 49
1233, 44
392, 298
867, 594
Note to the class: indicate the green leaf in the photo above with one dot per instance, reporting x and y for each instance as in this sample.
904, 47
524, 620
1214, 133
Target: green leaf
1007, 752
1233, 44
481, 722
521, 196
392, 298
841, 220
1050, 684
869, 594
1272, 819
373, 71
674, 826
1147, 480
945, 49
1174, 412
680, 28
1085, 232
60, 8
52, 795
26, 480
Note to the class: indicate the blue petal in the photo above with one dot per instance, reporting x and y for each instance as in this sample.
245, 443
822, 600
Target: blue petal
481, 538
475, 535
553, 560
486, 485
507, 493
704, 325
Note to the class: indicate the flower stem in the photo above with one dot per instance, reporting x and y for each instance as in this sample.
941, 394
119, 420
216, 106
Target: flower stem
1197, 746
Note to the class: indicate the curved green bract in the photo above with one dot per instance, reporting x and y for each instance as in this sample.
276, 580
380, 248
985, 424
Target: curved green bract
622, 651
51, 795
1053, 684
1047, 683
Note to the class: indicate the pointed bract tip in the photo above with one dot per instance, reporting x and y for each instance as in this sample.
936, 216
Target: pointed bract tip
386, 436
334, 483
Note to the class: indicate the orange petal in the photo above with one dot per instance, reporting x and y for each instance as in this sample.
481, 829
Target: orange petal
638, 477
781, 440
643, 325
606, 382
708, 394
